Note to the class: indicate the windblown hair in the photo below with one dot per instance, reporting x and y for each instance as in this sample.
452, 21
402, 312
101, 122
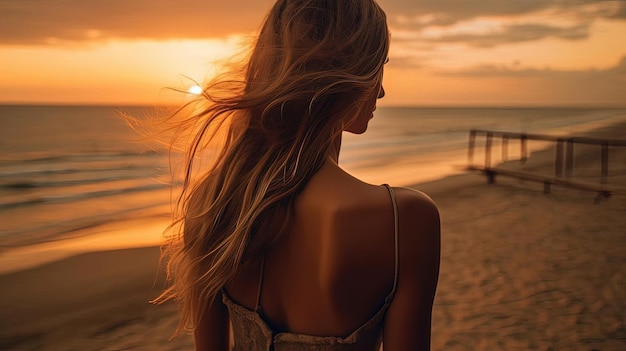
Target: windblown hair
311, 67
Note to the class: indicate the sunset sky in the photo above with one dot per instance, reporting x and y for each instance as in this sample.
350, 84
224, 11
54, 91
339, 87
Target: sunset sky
452, 52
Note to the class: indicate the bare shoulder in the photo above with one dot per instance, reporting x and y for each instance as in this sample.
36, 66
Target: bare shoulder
414, 196
408, 321
419, 227
417, 209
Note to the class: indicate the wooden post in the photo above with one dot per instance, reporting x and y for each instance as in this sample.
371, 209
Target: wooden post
605, 162
546, 187
470, 147
558, 161
491, 176
505, 147
488, 150
569, 158
524, 152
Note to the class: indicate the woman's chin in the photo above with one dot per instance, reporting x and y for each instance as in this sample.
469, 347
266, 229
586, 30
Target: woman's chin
357, 129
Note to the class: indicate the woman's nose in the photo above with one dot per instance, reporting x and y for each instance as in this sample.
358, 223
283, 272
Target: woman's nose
381, 92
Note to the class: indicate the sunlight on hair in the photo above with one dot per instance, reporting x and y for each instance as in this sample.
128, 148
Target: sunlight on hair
195, 90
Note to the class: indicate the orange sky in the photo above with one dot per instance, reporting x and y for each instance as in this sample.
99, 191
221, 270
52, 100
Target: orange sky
513, 52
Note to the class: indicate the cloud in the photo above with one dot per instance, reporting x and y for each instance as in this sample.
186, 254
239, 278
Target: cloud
406, 61
516, 33
41, 22
491, 23
620, 13
615, 73
50, 21
554, 86
620, 69
453, 11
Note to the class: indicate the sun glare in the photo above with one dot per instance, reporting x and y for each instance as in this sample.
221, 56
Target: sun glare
195, 90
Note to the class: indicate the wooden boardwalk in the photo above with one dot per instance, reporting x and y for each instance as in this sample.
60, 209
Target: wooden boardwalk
563, 160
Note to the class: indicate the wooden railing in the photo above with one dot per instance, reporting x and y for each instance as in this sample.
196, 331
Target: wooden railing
563, 161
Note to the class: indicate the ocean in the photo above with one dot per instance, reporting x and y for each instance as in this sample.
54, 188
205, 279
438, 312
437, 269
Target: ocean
67, 168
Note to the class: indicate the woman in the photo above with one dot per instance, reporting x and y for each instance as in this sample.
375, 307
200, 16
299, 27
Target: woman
276, 238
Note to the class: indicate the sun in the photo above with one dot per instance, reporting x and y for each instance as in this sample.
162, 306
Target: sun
195, 90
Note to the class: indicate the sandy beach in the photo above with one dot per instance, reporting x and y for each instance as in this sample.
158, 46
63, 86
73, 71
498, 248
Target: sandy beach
520, 270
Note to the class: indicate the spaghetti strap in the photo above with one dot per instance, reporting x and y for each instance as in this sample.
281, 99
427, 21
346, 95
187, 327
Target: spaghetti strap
396, 224
257, 306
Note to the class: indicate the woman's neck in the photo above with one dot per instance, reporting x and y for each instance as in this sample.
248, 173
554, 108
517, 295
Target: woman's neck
334, 149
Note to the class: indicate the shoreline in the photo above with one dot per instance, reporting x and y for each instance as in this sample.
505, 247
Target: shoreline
127, 234
148, 232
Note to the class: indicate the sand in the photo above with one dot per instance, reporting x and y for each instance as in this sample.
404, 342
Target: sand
520, 270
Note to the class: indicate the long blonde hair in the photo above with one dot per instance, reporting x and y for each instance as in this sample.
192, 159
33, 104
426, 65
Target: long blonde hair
311, 66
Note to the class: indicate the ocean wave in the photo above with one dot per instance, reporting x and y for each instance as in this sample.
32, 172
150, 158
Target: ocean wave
62, 229
83, 157
81, 196
31, 184
62, 171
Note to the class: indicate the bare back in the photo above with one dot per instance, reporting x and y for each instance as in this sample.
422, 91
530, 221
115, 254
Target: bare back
334, 266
